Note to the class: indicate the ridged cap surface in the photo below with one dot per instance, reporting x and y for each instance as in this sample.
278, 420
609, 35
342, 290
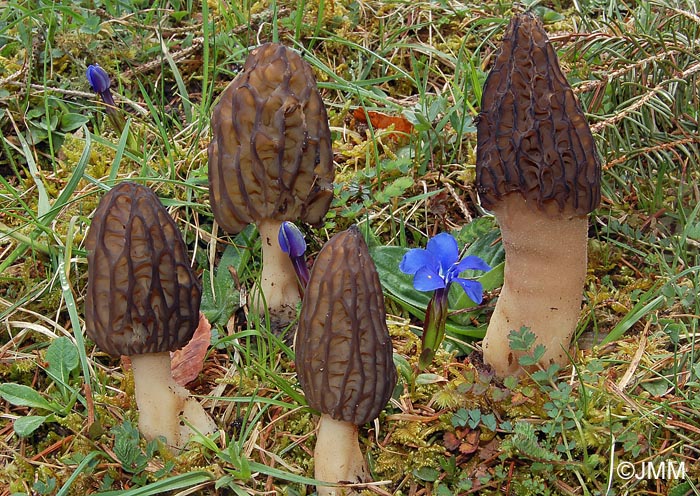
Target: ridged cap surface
344, 355
142, 295
271, 156
532, 136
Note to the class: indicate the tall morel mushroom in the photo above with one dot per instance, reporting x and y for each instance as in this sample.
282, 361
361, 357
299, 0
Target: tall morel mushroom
344, 356
270, 160
538, 170
143, 301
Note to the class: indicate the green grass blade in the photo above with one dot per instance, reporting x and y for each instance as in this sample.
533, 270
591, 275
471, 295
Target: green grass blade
64, 491
174, 483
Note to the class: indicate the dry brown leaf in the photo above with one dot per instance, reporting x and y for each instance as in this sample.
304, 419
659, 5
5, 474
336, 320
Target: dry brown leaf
450, 441
383, 121
187, 362
470, 443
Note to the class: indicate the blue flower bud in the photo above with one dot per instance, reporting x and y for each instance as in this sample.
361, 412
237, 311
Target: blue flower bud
291, 240
98, 78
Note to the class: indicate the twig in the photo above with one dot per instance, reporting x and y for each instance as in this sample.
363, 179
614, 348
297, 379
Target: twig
636, 359
52, 448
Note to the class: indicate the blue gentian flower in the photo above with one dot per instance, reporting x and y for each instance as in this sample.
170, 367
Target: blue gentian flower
100, 82
435, 268
438, 265
291, 239
292, 242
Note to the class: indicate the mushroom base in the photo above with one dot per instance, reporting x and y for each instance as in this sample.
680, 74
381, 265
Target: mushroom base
546, 258
161, 402
278, 280
337, 457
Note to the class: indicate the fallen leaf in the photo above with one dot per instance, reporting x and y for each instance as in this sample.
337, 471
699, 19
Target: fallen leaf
450, 441
384, 121
471, 442
187, 362
490, 449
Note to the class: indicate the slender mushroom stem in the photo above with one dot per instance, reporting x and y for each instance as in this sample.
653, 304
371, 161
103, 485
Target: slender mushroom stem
545, 270
278, 281
161, 401
337, 456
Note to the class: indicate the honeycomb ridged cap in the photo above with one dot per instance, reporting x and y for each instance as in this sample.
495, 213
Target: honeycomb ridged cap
142, 295
532, 135
344, 355
270, 156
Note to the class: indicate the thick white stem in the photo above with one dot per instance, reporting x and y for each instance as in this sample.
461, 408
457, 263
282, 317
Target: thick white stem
161, 402
337, 456
278, 281
546, 256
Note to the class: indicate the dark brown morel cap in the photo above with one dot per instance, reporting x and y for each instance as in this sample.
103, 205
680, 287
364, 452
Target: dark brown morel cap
532, 136
344, 356
142, 296
270, 157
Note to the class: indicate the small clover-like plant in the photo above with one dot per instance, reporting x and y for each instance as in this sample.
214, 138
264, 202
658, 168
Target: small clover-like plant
473, 417
523, 341
435, 268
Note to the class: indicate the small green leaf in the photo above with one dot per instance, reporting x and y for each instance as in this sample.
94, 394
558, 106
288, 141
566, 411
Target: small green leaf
395, 189
424, 379
681, 489
474, 417
24, 426
71, 122
220, 297
21, 395
521, 340
63, 358
427, 474
91, 25
127, 449
656, 388
539, 352
489, 421
404, 368
460, 418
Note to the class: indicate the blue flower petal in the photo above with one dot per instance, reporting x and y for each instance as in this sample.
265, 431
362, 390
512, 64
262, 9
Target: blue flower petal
291, 240
474, 289
427, 280
417, 259
98, 78
444, 248
471, 263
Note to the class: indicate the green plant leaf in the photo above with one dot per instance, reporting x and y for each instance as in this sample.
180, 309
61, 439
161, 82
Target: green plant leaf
71, 122
489, 421
427, 474
394, 189
127, 448
63, 359
395, 282
647, 303
220, 296
21, 395
24, 426
460, 417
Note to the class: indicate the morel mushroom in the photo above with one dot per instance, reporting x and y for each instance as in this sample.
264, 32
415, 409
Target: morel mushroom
143, 301
270, 160
538, 170
344, 356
